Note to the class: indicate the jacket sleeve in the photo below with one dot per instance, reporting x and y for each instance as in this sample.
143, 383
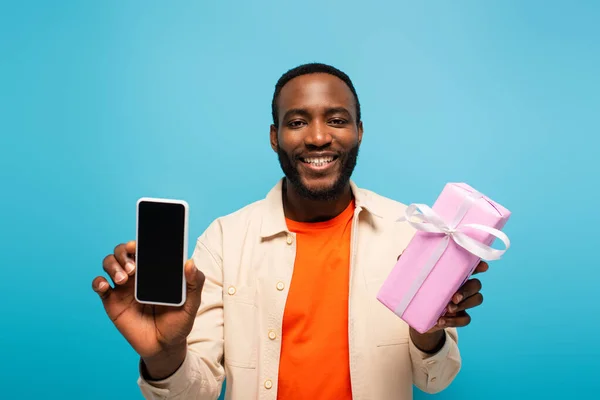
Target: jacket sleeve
433, 373
201, 375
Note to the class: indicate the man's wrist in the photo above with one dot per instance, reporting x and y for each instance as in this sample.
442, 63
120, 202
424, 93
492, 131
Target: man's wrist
164, 364
430, 343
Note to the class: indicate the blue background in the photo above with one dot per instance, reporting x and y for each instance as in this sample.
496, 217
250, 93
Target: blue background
104, 102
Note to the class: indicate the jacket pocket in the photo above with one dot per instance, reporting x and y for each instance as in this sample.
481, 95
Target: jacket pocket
239, 326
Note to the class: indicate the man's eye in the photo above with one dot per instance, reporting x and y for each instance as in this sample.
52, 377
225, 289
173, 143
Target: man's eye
338, 121
295, 124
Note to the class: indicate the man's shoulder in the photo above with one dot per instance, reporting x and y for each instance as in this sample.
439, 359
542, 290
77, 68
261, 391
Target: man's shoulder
387, 212
381, 205
243, 215
248, 212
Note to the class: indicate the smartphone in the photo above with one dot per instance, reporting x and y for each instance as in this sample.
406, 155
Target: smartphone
161, 251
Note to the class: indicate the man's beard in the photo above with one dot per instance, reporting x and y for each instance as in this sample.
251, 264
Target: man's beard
327, 194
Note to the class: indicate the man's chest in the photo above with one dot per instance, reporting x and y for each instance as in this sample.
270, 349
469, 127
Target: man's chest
268, 273
367, 252
261, 276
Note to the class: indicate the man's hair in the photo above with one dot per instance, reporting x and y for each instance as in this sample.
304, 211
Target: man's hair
305, 69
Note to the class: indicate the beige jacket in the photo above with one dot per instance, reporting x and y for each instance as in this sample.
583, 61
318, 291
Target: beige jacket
248, 258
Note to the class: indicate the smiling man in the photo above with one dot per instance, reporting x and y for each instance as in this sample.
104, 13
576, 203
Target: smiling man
282, 293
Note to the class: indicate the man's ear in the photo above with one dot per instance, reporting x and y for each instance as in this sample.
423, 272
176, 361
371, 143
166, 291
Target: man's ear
273, 138
360, 132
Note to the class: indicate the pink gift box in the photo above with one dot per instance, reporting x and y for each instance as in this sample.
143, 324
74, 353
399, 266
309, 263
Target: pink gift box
434, 265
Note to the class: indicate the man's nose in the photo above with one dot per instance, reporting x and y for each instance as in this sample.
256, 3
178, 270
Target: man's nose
318, 135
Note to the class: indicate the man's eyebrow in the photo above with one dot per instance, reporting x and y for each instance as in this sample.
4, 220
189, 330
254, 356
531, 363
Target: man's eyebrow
337, 110
296, 111
304, 113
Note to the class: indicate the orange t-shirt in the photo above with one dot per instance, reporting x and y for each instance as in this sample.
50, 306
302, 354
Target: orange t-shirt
314, 361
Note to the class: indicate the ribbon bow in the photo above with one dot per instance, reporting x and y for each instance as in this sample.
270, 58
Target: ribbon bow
433, 223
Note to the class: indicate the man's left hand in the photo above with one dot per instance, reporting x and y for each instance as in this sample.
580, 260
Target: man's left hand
466, 297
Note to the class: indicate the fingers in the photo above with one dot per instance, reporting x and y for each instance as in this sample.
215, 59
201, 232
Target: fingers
194, 277
468, 296
461, 319
124, 256
470, 287
101, 287
195, 282
469, 302
114, 269
481, 267
130, 247
118, 266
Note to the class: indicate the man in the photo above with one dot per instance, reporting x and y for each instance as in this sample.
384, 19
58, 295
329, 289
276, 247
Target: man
282, 293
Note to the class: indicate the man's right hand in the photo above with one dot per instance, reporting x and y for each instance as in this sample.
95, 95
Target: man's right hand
157, 333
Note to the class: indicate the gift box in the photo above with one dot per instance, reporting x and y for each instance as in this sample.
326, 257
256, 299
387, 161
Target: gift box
451, 238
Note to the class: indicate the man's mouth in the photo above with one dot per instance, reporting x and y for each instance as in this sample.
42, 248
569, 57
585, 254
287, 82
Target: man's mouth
319, 164
318, 161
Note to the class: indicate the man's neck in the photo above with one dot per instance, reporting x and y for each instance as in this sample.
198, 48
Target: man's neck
298, 208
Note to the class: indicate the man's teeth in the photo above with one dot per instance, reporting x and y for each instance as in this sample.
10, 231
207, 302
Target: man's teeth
320, 161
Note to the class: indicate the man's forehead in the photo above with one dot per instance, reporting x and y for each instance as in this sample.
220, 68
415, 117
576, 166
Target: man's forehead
314, 89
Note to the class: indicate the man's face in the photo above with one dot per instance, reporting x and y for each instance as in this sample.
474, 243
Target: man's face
318, 138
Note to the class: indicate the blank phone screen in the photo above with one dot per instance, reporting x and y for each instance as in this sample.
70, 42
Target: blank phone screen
160, 248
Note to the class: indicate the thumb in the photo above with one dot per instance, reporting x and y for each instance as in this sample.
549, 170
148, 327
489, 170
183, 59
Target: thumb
195, 282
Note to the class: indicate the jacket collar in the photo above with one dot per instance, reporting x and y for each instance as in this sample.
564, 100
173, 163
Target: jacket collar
273, 217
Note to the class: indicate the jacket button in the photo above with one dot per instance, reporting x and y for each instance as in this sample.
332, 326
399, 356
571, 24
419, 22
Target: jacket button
268, 384
280, 286
289, 239
231, 290
272, 335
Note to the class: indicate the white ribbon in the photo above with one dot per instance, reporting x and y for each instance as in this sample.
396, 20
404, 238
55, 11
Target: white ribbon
432, 222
